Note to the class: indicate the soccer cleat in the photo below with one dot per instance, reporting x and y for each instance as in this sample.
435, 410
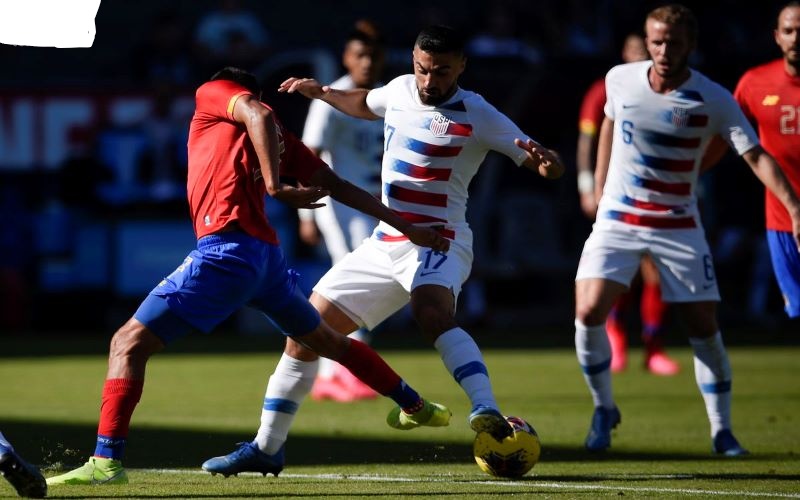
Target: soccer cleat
24, 477
658, 363
485, 419
330, 388
603, 421
246, 458
356, 388
97, 470
431, 415
725, 444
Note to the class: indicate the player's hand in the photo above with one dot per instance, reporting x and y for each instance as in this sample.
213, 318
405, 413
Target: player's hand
300, 197
306, 86
426, 236
547, 161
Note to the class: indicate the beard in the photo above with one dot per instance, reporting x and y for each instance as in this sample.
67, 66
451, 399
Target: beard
435, 99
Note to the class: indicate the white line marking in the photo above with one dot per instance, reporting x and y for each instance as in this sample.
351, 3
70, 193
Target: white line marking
518, 484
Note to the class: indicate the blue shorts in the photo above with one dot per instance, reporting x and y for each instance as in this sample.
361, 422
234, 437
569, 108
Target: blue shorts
227, 271
786, 264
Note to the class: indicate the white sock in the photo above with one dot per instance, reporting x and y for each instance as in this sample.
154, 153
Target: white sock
286, 389
713, 374
464, 360
594, 355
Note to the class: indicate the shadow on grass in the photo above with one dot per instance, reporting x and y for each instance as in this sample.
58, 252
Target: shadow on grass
65, 446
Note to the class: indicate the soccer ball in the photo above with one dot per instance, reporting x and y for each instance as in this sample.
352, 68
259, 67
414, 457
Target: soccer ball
514, 456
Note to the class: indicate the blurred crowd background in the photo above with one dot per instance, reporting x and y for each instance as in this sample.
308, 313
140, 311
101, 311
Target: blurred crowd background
93, 147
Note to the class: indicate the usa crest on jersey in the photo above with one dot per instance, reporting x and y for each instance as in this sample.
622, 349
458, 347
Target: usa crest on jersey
680, 116
439, 125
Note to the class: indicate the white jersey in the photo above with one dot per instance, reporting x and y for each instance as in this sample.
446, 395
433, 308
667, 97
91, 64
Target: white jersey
658, 144
353, 147
431, 153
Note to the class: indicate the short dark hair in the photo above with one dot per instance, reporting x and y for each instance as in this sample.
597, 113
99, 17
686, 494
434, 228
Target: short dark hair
368, 39
440, 39
240, 76
677, 15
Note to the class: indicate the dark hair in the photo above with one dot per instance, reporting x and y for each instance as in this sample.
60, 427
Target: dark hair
240, 76
677, 15
370, 40
440, 39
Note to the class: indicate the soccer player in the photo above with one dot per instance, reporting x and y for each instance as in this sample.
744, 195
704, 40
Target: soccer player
24, 477
238, 151
436, 137
353, 148
660, 115
652, 308
770, 97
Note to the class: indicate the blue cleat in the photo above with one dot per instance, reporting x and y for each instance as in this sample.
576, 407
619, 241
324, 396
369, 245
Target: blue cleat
725, 444
485, 419
246, 458
603, 420
24, 477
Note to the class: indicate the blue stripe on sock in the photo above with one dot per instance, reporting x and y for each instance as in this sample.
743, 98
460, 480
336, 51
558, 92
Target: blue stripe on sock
595, 369
471, 368
281, 405
110, 447
716, 388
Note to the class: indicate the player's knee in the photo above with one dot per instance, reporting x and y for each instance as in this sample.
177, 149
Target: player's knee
134, 340
589, 313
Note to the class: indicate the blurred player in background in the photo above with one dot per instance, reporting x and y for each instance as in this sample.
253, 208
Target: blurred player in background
238, 152
652, 309
353, 148
660, 116
770, 97
24, 477
436, 137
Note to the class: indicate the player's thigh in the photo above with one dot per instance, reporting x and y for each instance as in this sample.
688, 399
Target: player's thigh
786, 265
363, 285
282, 300
649, 271
337, 319
611, 254
685, 266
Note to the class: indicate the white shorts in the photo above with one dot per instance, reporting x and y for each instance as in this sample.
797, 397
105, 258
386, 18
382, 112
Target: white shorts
376, 279
614, 252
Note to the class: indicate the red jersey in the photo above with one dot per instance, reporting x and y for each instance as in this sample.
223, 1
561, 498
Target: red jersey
591, 114
224, 180
770, 98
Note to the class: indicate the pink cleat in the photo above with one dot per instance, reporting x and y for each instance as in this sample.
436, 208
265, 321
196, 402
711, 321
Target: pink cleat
330, 388
658, 363
356, 388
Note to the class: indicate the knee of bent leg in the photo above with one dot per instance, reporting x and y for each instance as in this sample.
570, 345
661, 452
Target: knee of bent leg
589, 312
133, 340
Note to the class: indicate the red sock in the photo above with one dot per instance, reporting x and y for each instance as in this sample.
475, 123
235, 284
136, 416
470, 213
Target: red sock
369, 367
653, 311
120, 397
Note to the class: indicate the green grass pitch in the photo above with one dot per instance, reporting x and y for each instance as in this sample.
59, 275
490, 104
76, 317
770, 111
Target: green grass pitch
197, 405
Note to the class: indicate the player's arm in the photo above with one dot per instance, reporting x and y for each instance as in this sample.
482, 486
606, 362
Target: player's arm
540, 159
350, 102
604, 141
307, 226
715, 150
355, 197
587, 145
770, 174
263, 133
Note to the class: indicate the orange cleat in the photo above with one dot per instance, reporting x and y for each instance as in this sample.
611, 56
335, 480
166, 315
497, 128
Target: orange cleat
330, 388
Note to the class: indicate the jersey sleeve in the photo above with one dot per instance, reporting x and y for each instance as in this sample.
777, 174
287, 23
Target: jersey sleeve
591, 112
317, 126
378, 98
734, 126
608, 109
496, 131
217, 98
